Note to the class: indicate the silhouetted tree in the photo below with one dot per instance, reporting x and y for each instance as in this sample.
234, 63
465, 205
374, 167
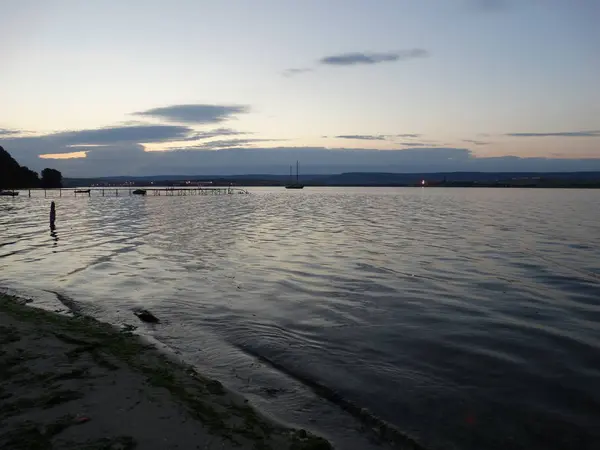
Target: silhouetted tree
13, 176
51, 178
29, 177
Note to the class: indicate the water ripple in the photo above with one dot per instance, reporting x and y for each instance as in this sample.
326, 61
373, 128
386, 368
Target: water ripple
465, 318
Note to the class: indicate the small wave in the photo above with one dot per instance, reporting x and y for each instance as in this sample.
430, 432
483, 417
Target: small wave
68, 302
384, 430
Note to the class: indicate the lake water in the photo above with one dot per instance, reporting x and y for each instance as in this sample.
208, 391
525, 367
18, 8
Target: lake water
467, 318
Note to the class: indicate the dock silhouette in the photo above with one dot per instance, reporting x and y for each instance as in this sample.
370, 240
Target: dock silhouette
130, 191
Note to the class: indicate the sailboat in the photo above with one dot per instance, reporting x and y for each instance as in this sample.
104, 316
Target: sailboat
297, 184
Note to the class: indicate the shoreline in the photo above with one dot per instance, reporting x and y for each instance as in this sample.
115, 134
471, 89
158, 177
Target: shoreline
75, 382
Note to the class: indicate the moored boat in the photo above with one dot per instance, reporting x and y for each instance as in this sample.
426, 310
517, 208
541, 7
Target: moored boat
297, 184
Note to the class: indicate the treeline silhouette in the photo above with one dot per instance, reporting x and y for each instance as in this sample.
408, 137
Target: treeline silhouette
15, 176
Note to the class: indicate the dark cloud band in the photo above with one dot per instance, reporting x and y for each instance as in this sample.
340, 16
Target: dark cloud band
195, 113
357, 58
362, 137
594, 133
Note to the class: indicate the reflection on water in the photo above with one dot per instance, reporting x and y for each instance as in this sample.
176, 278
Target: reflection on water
54, 236
468, 318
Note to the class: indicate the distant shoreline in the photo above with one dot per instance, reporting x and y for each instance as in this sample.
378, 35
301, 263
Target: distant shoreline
560, 180
110, 188
245, 184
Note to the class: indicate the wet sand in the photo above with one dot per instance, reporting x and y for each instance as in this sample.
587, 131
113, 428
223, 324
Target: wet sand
76, 383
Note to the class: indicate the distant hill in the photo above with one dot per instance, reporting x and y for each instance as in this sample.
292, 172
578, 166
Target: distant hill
15, 176
449, 179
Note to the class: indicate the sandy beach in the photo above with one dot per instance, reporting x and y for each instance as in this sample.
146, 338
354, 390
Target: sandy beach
76, 383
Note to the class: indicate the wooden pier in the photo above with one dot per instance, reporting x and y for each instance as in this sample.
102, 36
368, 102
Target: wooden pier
130, 191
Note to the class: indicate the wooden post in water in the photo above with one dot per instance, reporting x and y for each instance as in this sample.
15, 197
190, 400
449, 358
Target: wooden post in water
44, 193
116, 192
52, 216
30, 192
60, 192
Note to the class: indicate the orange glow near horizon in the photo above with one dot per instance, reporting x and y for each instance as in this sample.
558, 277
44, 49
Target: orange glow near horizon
71, 155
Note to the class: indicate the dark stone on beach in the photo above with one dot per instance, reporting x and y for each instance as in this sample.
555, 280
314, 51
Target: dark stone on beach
302, 434
146, 316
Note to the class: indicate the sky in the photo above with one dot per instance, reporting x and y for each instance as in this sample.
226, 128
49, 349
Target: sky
148, 87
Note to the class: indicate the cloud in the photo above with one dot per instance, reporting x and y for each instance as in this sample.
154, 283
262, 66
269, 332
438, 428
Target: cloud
296, 71
215, 133
375, 137
7, 132
30, 147
131, 159
195, 113
361, 58
105, 136
595, 133
357, 58
64, 141
364, 137
110, 137
120, 150
127, 134
227, 143
476, 142
81, 154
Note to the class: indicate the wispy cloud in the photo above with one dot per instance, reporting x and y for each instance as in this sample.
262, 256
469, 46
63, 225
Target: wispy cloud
119, 135
195, 113
414, 144
363, 137
71, 155
361, 58
593, 133
7, 132
358, 58
100, 139
381, 137
296, 71
228, 143
476, 142
196, 136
